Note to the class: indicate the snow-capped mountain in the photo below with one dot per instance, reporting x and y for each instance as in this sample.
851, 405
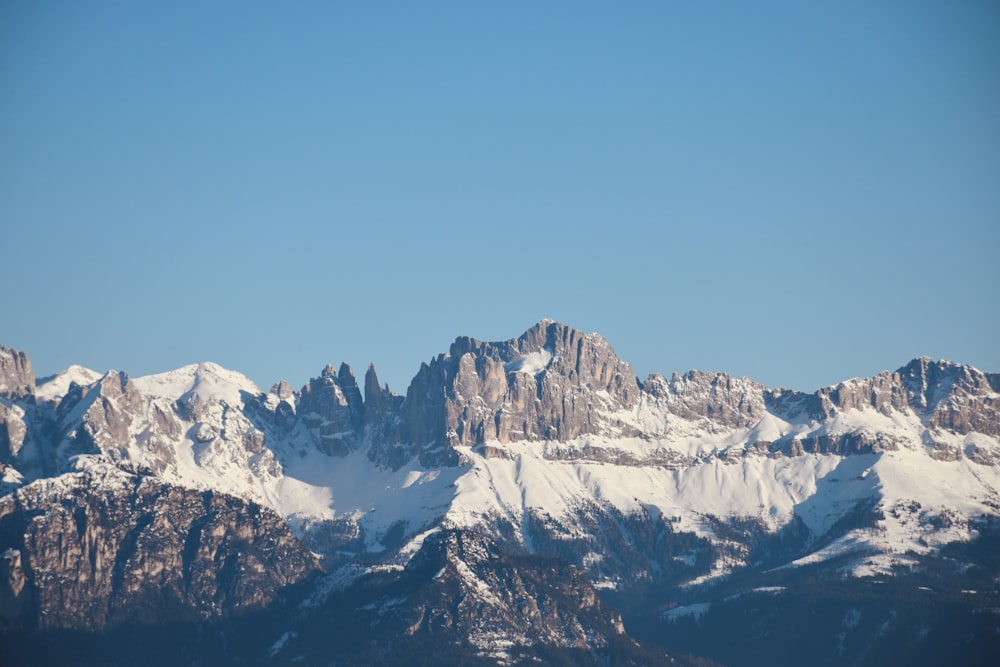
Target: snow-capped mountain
545, 445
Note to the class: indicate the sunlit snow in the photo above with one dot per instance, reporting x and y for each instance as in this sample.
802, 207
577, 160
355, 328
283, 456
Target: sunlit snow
531, 363
207, 381
55, 387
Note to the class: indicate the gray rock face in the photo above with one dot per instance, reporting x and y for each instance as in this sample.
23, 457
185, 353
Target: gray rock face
556, 383
945, 395
283, 390
883, 393
383, 423
97, 419
718, 397
13, 431
953, 397
17, 379
332, 408
17, 403
551, 383
106, 422
143, 553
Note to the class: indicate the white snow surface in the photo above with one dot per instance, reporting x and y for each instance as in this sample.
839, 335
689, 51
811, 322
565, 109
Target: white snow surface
532, 363
207, 381
55, 387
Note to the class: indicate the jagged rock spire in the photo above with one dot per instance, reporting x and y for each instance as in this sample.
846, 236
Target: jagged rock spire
17, 379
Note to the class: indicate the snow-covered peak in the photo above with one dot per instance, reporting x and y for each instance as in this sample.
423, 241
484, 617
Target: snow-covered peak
54, 387
208, 381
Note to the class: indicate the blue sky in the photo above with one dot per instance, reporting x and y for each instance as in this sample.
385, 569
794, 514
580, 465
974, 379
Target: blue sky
797, 192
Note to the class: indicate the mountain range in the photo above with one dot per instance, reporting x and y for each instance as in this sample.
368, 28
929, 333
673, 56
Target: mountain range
526, 500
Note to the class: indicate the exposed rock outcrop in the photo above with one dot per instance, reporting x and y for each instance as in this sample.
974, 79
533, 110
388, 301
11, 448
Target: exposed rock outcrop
556, 383
952, 396
332, 408
718, 397
383, 423
283, 390
946, 395
13, 431
139, 552
551, 383
17, 379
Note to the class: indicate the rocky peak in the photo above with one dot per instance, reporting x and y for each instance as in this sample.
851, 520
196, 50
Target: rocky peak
283, 390
54, 388
379, 400
117, 385
373, 391
333, 410
17, 379
96, 419
883, 393
383, 423
349, 385
953, 396
945, 395
551, 383
718, 397
931, 383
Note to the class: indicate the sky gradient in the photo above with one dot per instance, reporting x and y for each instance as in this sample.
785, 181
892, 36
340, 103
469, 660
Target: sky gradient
799, 194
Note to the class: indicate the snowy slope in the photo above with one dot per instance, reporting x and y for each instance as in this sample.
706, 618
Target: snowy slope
207, 381
53, 388
543, 479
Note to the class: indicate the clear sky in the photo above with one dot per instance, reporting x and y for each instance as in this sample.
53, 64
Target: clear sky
798, 192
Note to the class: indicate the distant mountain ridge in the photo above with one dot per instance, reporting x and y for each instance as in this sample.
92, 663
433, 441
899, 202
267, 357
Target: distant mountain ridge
553, 383
544, 445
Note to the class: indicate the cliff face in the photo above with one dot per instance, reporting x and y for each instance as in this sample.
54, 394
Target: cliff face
17, 379
952, 396
331, 407
13, 431
718, 397
17, 383
140, 552
551, 383
947, 396
556, 383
